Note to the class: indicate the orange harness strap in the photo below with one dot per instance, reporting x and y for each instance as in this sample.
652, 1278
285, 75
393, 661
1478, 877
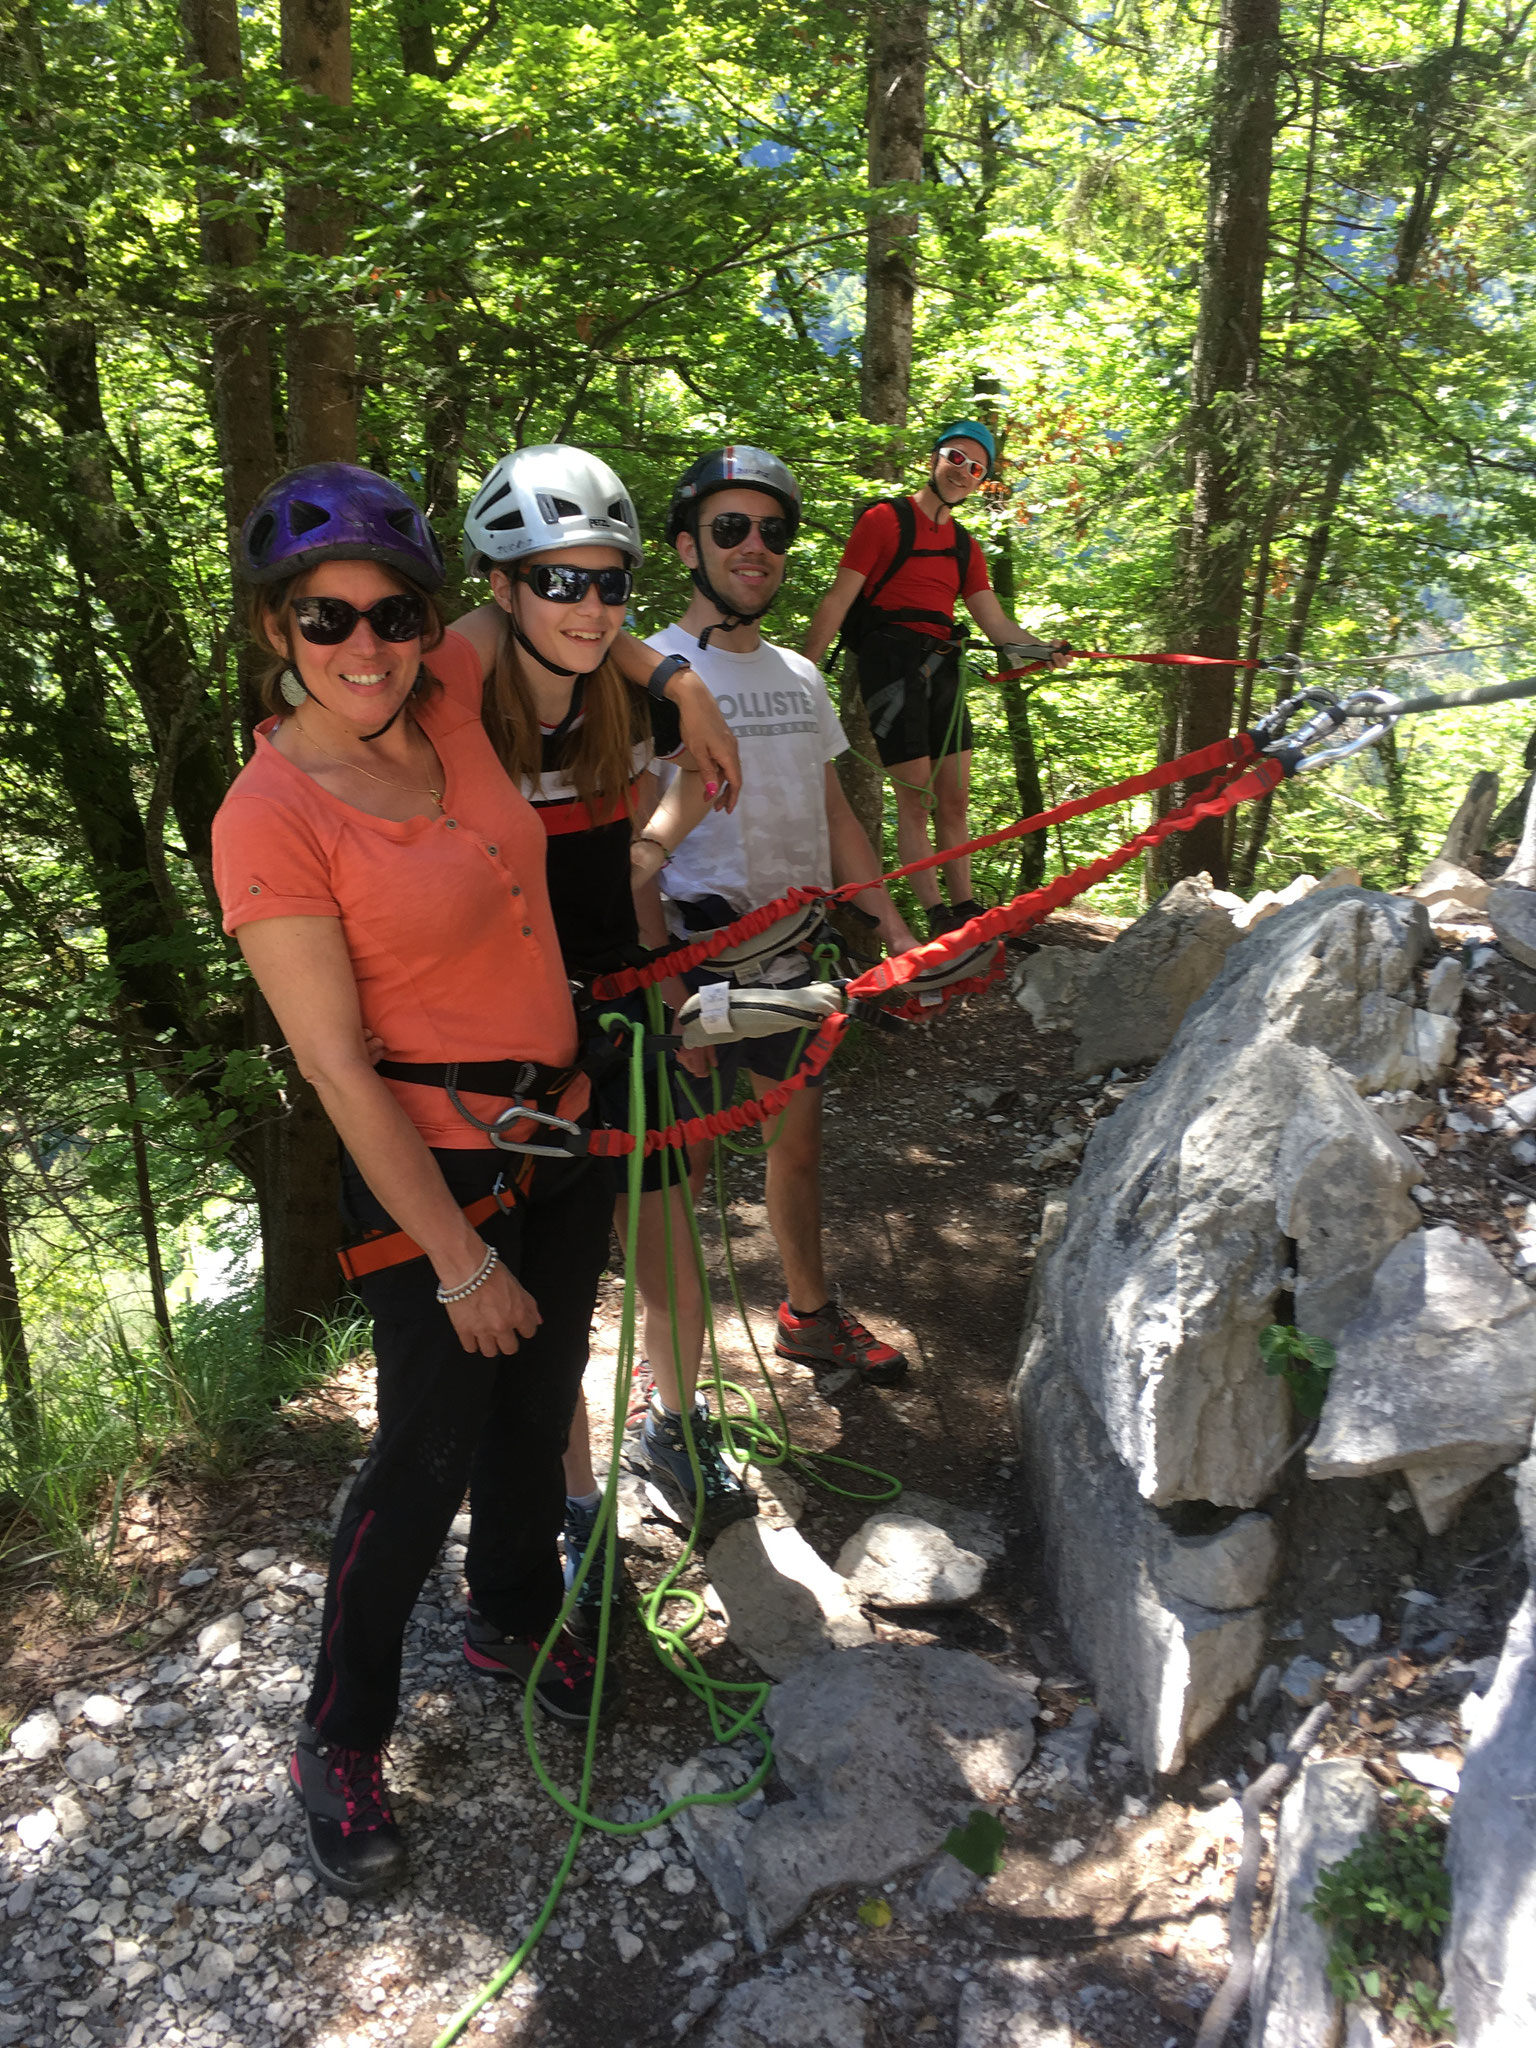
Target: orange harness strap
393, 1247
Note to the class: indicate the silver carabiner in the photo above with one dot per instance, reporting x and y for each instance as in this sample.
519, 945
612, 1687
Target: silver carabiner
1358, 705
519, 1113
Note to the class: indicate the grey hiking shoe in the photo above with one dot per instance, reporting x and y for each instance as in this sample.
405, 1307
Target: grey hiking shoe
659, 1453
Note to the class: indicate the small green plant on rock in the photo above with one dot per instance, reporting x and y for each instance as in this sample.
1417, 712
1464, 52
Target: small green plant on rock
1303, 1362
1386, 1904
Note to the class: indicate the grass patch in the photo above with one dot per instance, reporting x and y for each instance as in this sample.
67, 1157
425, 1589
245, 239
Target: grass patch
111, 1411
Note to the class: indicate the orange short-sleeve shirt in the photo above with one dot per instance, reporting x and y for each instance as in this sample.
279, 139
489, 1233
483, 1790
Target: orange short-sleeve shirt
446, 919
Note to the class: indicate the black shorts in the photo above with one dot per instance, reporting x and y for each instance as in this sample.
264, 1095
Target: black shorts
610, 1108
912, 715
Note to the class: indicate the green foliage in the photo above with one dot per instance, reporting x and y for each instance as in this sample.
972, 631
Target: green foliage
979, 1844
1384, 1906
1303, 1362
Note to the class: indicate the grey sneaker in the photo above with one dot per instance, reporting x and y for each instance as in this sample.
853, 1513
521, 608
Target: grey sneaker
660, 1455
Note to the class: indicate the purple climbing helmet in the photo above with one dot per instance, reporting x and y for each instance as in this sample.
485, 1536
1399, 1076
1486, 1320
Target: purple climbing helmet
338, 511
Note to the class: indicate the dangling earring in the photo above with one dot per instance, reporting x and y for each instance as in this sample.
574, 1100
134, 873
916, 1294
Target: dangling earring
291, 689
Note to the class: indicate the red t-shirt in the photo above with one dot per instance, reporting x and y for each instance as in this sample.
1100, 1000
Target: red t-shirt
446, 919
929, 583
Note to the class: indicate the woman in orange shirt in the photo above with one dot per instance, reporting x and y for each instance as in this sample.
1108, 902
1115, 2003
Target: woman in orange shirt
384, 878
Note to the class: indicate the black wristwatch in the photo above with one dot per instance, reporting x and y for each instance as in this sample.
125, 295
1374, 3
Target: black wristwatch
656, 682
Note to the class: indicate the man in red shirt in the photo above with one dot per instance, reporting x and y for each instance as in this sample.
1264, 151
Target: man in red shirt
906, 562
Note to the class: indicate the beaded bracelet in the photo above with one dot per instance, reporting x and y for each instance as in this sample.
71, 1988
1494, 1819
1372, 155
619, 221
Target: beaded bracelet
448, 1295
650, 839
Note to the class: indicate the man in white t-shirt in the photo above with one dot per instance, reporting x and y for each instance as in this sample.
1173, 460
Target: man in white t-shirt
733, 515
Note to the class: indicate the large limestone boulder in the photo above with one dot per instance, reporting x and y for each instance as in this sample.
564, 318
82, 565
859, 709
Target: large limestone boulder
1323, 1817
1436, 1376
1490, 1952
1167, 1628
1135, 993
1247, 1137
884, 1750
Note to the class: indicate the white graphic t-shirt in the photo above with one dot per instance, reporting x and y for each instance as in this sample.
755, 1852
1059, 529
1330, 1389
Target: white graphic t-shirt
776, 704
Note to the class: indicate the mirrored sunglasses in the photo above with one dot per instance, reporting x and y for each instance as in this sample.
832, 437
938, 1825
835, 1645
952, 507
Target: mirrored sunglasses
327, 621
963, 461
730, 529
563, 583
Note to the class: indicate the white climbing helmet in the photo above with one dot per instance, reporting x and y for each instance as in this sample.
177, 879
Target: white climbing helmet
550, 496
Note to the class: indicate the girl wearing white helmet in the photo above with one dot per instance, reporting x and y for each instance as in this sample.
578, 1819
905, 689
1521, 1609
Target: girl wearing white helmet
556, 530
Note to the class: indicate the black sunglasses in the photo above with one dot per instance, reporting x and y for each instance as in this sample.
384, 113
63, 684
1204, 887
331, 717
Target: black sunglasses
563, 583
327, 621
730, 529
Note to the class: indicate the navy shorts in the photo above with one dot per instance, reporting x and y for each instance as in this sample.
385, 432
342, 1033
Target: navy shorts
912, 715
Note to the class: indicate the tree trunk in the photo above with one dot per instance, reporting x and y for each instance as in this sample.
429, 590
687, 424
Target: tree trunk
149, 1227
239, 330
896, 120
300, 1199
123, 559
1217, 539
897, 124
317, 223
1467, 833
15, 1361
1021, 739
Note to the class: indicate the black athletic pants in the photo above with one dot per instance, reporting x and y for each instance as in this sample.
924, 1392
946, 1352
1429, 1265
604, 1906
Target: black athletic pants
450, 1418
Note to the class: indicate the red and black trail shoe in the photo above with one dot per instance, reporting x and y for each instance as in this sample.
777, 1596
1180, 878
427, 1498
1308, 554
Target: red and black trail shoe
354, 1845
830, 1338
568, 1683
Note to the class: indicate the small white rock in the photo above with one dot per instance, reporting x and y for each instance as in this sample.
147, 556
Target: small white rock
215, 1636
628, 1945
38, 1736
1067, 1851
102, 1711
680, 1878
1425, 1768
213, 1839
333, 1911
254, 1561
642, 1864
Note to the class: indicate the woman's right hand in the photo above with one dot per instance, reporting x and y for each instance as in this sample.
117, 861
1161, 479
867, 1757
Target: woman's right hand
496, 1316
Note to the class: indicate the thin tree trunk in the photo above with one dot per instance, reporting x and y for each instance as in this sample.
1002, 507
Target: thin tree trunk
239, 330
15, 1360
149, 1228
1021, 739
1217, 540
896, 120
317, 223
300, 1191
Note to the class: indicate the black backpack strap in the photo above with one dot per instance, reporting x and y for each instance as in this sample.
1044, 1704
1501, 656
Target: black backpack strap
906, 541
963, 547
